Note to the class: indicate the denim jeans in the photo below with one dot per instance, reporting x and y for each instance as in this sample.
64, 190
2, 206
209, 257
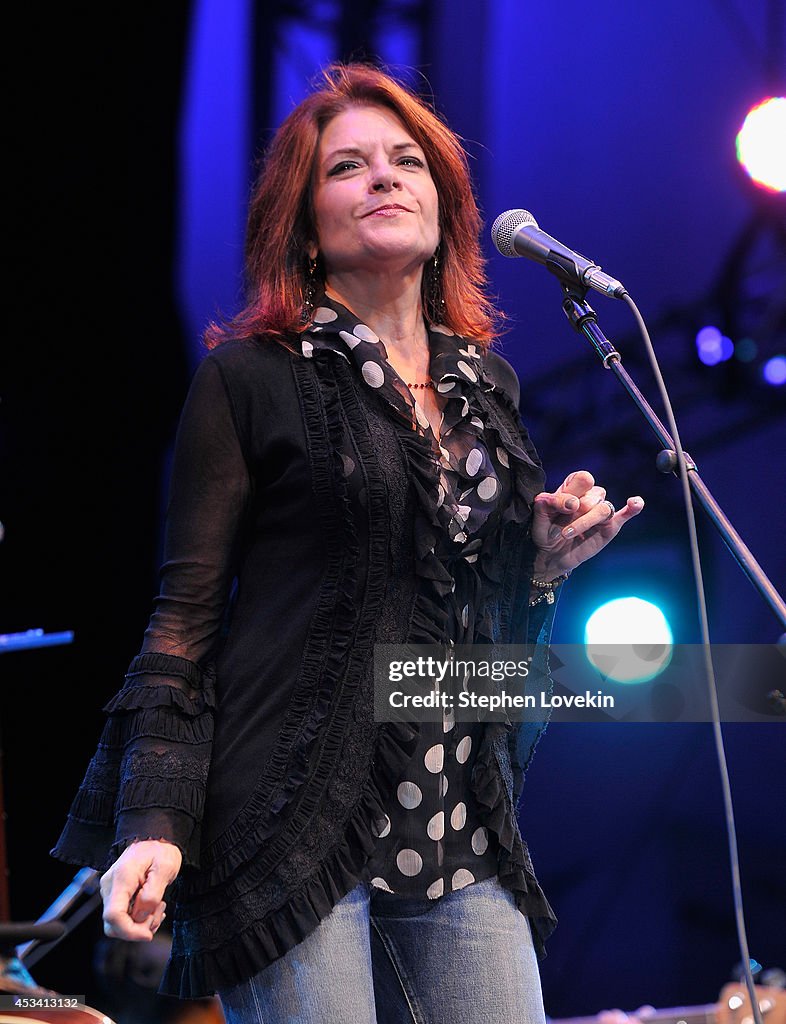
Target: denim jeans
378, 958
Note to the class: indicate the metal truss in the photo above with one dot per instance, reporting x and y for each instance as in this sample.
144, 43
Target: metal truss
578, 411
350, 29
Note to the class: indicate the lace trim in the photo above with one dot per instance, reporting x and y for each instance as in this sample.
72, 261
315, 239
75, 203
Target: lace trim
292, 763
253, 944
140, 710
267, 896
275, 894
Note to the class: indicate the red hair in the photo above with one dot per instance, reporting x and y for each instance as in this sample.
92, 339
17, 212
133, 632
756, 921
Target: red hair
281, 223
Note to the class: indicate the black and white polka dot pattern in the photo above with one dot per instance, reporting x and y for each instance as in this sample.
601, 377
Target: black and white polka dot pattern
433, 841
472, 479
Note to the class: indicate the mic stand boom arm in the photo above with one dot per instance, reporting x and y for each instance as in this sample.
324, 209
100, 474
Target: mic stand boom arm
585, 321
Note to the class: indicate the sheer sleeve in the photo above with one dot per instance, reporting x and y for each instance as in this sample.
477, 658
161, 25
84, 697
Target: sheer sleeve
148, 776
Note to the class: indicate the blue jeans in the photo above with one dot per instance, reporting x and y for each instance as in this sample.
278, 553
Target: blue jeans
378, 958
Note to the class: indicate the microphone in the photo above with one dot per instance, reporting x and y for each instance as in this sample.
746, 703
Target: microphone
516, 233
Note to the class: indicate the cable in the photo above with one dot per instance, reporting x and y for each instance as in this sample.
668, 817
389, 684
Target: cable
731, 829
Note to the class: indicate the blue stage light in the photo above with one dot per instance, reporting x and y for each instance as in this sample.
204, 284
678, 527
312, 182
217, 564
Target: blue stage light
713, 346
629, 640
774, 371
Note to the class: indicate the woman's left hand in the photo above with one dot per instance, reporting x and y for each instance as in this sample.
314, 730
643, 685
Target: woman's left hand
574, 523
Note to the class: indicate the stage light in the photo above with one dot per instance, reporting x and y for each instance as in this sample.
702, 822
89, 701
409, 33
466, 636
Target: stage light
774, 371
712, 346
760, 144
628, 640
746, 350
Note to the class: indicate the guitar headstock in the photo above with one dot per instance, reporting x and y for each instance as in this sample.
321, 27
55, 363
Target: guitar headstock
734, 1005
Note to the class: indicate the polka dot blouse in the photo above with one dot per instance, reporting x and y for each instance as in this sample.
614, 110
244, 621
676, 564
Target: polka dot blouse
432, 841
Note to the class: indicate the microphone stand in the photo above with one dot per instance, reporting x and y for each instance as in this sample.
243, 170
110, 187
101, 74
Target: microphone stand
585, 321
55, 923
31, 940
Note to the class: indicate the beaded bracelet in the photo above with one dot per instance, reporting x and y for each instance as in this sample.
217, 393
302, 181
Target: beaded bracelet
547, 588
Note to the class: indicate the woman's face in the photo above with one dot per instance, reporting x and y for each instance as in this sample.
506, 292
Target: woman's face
375, 204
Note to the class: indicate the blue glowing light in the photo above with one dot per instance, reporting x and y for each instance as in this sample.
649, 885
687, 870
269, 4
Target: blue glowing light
712, 346
774, 371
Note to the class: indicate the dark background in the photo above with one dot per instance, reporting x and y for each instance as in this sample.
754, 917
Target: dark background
133, 144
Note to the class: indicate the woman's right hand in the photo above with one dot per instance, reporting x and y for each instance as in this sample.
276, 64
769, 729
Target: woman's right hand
133, 889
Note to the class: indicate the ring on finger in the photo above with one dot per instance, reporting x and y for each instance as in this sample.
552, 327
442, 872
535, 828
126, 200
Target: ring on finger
612, 509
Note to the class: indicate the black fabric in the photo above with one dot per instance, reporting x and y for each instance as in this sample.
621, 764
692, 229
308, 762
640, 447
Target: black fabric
244, 731
433, 841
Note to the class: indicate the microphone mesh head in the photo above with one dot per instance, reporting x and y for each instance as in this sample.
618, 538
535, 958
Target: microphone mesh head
504, 229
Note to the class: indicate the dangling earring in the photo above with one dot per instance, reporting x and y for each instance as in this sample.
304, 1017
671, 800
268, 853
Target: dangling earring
309, 291
436, 301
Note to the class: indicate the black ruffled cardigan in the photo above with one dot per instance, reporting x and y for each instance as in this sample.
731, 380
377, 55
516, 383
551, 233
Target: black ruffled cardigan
245, 731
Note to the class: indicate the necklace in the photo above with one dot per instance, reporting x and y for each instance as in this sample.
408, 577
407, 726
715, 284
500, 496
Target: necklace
427, 384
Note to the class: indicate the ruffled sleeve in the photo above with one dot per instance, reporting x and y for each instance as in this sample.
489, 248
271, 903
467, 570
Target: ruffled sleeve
148, 776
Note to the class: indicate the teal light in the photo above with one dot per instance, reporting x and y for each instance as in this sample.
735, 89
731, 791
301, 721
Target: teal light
628, 640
